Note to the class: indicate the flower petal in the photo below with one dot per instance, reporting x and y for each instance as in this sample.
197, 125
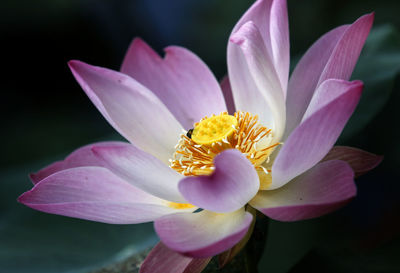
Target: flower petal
131, 108
279, 27
271, 19
80, 157
345, 55
228, 96
322, 189
94, 193
316, 135
141, 170
233, 183
260, 70
203, 234
181, 81
338, 49
327, 92
163, 260
360, 161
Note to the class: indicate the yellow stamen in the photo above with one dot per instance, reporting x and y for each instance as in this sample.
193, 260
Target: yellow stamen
180, 205
194, 156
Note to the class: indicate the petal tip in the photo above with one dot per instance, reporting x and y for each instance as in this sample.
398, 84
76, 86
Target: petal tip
72, 64
23, 198
33, 177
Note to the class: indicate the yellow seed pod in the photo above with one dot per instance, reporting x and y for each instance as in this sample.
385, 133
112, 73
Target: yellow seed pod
214, 129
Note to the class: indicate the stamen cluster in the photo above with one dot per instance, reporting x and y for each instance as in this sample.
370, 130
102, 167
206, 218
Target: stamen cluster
249, 137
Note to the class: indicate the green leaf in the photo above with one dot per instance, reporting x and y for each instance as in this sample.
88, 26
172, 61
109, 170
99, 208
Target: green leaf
378, 66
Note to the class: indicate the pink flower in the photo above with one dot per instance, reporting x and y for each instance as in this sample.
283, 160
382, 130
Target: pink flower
281, 163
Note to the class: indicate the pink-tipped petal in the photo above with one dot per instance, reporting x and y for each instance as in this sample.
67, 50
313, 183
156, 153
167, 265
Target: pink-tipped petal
180, 80
233, 183
94, 193
203, 234
131, 108
327, 92
316, 135
228, 96
262, 72
163, 260
304, 79
271, 19
360, 161
260, 14
345, 55
142, 170
322, 189
334, 55
279, 28
79, 158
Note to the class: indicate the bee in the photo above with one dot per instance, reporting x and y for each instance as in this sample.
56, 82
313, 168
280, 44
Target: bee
189, 133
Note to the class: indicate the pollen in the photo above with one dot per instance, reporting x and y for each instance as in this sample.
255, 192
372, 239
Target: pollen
214, 129
195, 153
180, 205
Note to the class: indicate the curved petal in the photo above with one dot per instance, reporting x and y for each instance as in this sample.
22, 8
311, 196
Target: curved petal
271, 19
203, 234
78, 158
94, 193
279, 27
360, 161
261, 70
345, 55
141, 170
163, 260
327, 92
304, 79
246, 95
228, 96
316, 135
181, 81
320, 190
131, 108
334, 55
233, 183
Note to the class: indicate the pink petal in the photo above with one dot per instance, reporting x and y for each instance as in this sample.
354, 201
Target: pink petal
360, 161
327, 92
80, 157
180, 80
338, 49
142, 170
316, 135
345, 55
233, 183
279, 27
131, 108
322, 189
203, 234
163, 260
271, 19
94, 193
228, 96
269, 103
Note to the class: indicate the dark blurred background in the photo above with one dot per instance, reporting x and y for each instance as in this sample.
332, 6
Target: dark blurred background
45, 115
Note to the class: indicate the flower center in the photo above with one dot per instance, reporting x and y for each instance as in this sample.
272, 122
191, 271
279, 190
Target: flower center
214, 129
196, 150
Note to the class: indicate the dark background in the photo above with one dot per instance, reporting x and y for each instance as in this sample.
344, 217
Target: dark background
45, 115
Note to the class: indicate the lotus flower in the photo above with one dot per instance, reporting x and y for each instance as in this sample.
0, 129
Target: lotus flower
196, 162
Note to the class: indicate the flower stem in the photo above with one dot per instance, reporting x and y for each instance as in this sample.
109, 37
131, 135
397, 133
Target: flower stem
255, 246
